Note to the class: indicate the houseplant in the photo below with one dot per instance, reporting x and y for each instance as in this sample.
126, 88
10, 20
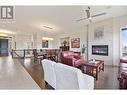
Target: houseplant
83, 49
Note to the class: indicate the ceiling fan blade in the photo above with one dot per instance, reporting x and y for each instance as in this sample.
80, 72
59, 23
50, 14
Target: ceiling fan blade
81, 19
99, 14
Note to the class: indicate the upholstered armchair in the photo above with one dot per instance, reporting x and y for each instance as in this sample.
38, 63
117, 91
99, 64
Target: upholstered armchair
72, 59
122, 74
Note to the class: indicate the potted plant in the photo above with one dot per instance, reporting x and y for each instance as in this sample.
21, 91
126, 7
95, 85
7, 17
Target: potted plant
83, 49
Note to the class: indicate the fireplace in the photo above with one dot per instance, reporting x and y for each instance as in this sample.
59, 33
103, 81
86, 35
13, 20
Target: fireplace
100, 50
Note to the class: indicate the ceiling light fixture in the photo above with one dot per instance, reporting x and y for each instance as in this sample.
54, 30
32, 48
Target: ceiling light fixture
47, 38
3, 35
3, 31
48, 27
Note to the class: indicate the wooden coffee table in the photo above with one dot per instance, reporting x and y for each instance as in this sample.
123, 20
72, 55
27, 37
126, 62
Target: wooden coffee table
93, 69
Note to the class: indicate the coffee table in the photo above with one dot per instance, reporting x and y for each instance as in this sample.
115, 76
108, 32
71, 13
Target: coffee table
93, 68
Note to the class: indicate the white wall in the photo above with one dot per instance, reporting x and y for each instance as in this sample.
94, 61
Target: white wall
78, 34
20, 40
39, 40
34, 38
116, 41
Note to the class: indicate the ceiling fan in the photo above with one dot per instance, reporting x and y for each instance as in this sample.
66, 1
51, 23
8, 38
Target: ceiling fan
89, 16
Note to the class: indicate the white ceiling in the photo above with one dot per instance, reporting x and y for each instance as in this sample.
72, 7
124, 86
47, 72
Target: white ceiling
61, 18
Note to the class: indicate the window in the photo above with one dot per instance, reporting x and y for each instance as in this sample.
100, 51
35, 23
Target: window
124, 42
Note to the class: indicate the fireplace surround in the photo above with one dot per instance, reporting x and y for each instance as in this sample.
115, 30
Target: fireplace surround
100, 50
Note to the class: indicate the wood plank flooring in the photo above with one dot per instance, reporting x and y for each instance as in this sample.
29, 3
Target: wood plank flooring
14, 76
35, 70
106, 79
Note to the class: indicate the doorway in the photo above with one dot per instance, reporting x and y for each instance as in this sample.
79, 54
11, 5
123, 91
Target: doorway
4, 50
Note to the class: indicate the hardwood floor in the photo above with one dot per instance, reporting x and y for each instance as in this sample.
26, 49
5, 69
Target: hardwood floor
14, 76
106, 79
35, 70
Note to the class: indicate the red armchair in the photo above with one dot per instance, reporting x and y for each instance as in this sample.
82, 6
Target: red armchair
122, 74
72, 59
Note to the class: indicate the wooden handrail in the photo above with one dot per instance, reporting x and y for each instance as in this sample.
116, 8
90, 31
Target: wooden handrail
24, 51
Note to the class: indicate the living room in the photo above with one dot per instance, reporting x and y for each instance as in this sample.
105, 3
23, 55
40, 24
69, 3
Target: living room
110, 26
70, 26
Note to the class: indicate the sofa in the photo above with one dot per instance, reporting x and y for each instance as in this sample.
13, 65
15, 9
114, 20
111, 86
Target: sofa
61, 76
72, 59
122, 74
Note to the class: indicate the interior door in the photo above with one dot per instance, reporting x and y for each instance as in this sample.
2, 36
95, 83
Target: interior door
4, 47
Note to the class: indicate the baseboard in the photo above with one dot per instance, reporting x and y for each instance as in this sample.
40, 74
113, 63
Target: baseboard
112, 65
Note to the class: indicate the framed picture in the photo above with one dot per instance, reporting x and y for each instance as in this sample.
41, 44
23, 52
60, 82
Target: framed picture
64, 41
99, 32
75, 43
44, 43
